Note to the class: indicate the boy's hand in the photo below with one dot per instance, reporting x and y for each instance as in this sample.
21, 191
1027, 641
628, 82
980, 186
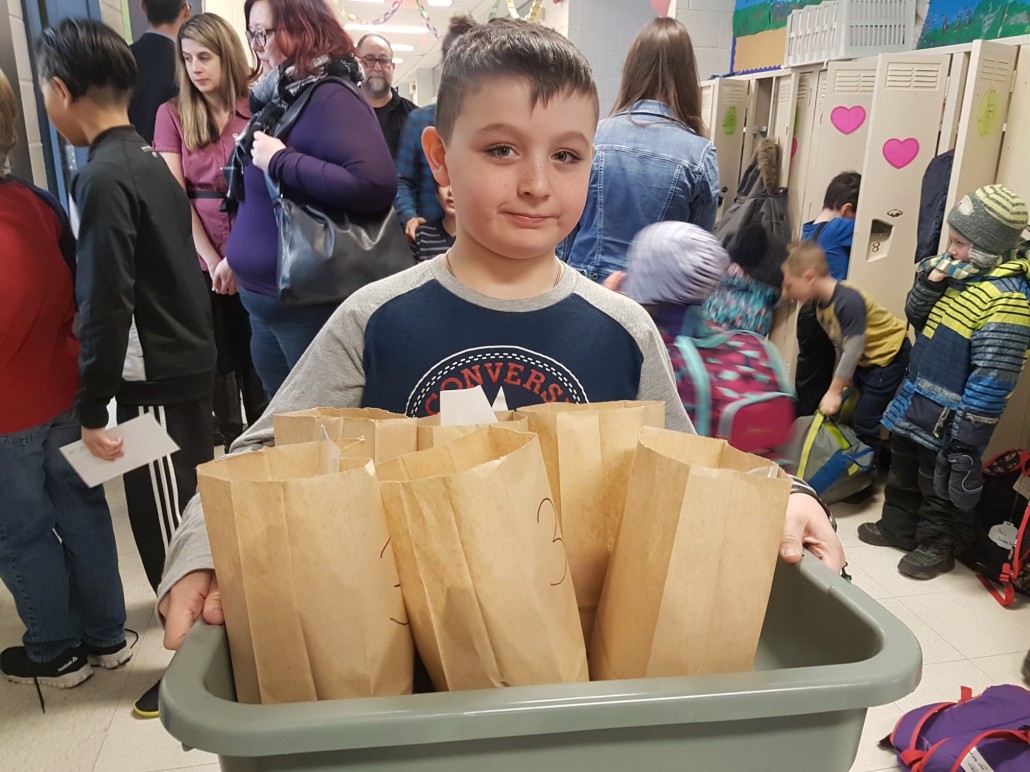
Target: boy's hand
936, 275
807, 527
264, 148
829, 405
412, 226
100, 445
195, 594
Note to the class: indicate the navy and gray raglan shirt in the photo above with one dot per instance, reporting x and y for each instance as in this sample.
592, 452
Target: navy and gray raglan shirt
397, 343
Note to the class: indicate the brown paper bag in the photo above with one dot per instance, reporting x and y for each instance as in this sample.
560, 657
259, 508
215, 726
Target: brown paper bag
431, 434
308, 581
482, 567
588, 450
388, 434
690, 575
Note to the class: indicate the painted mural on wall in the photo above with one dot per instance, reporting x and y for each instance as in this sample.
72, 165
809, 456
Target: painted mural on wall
960, 21
750, 17
946, 23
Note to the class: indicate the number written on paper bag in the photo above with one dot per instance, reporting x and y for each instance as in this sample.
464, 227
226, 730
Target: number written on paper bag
546, 513
382, 555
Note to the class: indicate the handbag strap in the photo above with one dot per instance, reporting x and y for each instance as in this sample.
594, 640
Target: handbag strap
290, 116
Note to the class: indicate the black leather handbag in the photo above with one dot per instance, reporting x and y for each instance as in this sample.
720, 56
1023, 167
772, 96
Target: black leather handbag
324, 257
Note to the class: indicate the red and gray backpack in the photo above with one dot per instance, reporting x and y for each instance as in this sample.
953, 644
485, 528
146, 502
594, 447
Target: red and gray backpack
989, 733
734, 387
1000, 552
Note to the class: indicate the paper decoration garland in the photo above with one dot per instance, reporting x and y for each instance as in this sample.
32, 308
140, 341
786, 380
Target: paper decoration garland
534, 14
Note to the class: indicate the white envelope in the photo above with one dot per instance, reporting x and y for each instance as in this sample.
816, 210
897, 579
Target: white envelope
143, 441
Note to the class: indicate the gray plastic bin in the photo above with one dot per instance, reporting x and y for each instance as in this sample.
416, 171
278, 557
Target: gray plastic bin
827, 653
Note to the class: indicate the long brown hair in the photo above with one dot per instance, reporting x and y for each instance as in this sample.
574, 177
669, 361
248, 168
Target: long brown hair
214, 33
8, 114
660, 65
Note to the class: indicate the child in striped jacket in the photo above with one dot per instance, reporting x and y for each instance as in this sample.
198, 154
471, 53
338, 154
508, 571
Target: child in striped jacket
971, 310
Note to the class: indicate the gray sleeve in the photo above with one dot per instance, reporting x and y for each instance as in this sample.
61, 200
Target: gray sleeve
851, 352
330, 374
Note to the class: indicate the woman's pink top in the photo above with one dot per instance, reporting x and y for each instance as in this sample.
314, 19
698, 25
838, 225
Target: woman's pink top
202, 168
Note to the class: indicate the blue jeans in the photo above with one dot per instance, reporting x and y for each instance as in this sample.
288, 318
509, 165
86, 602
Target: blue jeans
57, 550
877, 387
279, 335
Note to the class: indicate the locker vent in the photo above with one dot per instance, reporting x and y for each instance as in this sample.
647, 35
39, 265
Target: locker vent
706, 101
803, 90
735, 92
995, 70
854, 81
782, 93
908, 76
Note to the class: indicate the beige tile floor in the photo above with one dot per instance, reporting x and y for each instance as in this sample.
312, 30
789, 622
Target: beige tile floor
967, 639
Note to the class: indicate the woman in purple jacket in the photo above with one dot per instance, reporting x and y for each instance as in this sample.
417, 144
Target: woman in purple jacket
333, 156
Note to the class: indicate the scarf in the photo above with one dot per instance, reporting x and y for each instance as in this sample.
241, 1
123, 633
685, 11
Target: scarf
980, 262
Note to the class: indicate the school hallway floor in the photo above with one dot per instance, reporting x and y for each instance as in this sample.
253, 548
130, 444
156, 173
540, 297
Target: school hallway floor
967, 639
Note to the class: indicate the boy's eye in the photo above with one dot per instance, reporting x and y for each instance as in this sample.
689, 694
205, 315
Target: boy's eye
501, 151
566, 157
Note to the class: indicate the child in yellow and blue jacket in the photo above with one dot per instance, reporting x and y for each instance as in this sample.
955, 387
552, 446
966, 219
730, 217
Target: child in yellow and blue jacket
971, 309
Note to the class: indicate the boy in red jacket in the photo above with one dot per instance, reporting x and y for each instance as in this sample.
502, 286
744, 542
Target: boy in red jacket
57, 547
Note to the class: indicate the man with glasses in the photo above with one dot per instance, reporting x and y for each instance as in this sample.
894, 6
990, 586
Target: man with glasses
376, 56
154, 53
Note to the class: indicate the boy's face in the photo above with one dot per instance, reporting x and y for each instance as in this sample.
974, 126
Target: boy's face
445, 196
61, 109
518, 172
799, 288
958, 245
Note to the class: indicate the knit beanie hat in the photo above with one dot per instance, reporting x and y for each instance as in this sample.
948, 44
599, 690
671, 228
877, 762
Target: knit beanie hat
674, 262
992, 218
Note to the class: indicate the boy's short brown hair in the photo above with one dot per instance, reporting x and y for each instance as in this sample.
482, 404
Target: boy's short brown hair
544, 58
8, 115
804, 256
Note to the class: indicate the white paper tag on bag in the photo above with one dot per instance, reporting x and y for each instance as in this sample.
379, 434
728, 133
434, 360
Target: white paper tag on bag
975, 762
143, 441
464, 407
1022, 486
500, 404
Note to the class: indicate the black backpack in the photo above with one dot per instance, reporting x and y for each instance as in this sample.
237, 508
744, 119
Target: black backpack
1000, 552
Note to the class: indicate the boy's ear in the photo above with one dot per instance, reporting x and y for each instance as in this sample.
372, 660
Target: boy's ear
848, 211
59, 87
436, 154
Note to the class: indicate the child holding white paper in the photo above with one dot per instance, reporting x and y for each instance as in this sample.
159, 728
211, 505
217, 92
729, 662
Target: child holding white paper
57, 547
515, 120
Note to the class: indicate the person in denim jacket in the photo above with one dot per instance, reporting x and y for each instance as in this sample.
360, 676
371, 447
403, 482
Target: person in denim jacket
652, 161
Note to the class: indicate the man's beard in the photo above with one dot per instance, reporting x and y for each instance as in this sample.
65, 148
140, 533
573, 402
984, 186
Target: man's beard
377, 86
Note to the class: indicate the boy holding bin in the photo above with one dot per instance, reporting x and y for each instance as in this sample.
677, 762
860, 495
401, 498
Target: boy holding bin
515, 121
971, 307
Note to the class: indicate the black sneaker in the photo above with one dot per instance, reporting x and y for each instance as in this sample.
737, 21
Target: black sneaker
108, 657
931, 558
65, 671
870, 533
147, 705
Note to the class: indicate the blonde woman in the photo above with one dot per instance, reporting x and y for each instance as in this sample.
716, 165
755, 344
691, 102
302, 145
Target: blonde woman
195, 134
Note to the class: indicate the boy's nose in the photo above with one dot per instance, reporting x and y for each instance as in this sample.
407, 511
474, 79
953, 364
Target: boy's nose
534, 182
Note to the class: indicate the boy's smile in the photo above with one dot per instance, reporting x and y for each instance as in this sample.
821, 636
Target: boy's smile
519, 172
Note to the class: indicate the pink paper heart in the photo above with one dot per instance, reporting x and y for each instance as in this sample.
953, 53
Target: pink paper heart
661, 7
900, 152
793, 148
847, 120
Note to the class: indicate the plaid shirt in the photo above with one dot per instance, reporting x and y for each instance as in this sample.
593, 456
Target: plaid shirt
416, 188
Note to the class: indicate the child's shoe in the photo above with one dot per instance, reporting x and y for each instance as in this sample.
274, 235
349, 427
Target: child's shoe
108, 657
933, 557
870, 533
66, 670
